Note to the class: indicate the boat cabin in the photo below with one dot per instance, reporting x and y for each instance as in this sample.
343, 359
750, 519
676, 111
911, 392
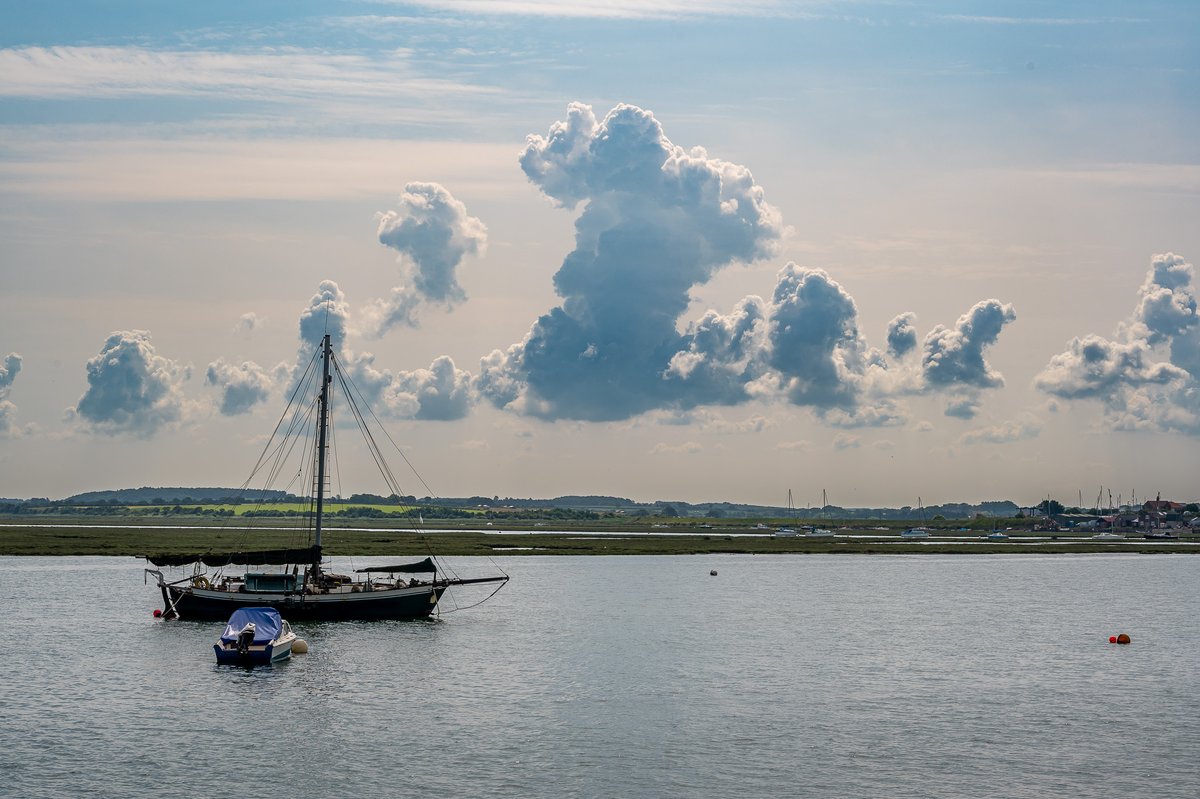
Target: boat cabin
266, 581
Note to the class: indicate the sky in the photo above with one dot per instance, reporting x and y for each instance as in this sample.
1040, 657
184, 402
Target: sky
689, 251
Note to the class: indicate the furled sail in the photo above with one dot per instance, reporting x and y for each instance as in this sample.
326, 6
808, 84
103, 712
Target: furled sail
272, 557
408, 568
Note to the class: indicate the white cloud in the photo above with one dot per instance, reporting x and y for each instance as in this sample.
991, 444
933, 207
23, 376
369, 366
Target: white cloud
658, 220
621, 9
242, 386
1137, 391
8, 411
686, 448
247, 323
131, 389
1025, 427
433, 233
107, 72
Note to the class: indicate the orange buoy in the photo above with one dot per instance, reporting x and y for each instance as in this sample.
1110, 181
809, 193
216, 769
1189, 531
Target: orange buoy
1112, 639
1122, 638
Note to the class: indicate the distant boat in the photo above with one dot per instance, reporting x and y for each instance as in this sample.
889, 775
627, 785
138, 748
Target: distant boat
255, 637
917, 532
816, 532
307, 590
996, 535
788, 532
1108, 536
1160, 536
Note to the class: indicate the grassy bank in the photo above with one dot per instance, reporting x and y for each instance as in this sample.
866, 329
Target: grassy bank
181, 537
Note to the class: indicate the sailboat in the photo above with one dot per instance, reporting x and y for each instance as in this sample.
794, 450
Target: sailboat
817, 532
307, 590
917, 532
788, 531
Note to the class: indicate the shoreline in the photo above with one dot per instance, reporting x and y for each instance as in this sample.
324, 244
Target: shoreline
44, 538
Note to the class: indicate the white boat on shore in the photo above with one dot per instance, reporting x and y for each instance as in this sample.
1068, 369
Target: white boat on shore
1108, 536
915, 532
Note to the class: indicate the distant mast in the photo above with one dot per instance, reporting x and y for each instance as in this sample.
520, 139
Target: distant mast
322, 424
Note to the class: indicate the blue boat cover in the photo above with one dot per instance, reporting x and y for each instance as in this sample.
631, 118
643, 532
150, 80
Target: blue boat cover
267, 624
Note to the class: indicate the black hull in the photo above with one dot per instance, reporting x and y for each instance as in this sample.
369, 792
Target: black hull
188, 603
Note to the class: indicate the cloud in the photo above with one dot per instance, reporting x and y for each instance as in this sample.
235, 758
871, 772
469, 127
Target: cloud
433, 232
1166, 303
247, 323
845, 441
901, 335
1025, 427
108, 72
1138, 391
954, 357
242, 385
131, 389
624, 9
441, 392
8, 373
686, 448
658, 220
1095, 367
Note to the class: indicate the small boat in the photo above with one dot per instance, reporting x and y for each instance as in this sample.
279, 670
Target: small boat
1160, 537
255, 637
786, 532
996, 535
1108, 536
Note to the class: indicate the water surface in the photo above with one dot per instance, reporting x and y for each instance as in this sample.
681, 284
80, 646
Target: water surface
823, 676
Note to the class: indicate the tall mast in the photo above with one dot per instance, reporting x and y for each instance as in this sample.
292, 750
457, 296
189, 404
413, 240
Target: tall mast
323, 424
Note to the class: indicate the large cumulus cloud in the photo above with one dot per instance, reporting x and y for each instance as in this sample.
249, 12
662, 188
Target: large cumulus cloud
8, 411
658, 220
1137, 388
131, 389
433, 232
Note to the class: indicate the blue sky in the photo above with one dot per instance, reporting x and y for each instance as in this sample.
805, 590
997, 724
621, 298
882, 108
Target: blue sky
935, 249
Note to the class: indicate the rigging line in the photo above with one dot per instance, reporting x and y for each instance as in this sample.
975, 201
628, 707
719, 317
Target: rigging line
456, 608
393, 443
385, 471
377, 454
291, 400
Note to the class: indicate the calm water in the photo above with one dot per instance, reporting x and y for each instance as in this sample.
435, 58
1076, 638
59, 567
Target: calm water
850, 676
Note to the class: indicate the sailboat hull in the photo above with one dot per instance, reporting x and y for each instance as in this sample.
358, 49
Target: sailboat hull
407, 603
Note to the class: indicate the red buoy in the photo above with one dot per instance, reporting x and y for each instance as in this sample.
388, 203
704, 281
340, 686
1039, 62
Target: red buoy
158, 613
1122, 638
1112, 639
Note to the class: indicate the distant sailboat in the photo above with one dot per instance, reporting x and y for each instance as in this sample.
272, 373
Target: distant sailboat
917, 532
788, 531
817, 532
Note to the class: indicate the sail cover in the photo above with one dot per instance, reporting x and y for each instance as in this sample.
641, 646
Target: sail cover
267, 624
265, 556
408, 568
